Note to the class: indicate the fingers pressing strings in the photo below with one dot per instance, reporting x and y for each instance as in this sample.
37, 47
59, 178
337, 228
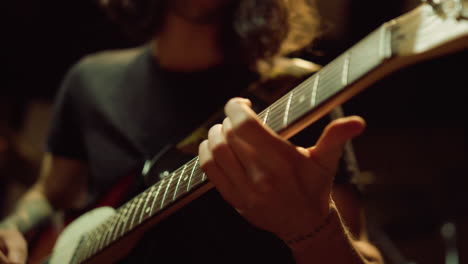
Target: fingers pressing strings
250, 139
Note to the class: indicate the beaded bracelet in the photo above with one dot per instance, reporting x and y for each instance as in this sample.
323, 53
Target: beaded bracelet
312, 233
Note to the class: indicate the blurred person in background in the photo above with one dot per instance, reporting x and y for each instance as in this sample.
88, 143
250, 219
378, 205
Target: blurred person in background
274, 202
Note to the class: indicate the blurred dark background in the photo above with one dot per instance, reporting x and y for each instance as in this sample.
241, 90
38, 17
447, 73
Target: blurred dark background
413, 154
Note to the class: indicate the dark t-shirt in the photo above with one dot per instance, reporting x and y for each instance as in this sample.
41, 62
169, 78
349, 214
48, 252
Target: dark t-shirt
117, 109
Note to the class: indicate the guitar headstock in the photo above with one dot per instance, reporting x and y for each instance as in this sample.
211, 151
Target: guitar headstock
457, 9
436, 27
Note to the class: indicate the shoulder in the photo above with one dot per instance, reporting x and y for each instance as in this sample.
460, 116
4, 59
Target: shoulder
99, 70
281, 75
108, 60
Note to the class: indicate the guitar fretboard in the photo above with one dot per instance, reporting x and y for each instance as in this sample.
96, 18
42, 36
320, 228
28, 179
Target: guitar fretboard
333, 78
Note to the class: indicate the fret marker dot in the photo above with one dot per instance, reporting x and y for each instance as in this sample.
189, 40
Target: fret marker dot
163, 174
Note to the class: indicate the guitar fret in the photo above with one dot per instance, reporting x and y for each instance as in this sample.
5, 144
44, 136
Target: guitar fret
96, 242
184, 180
344, 74
313, 100
79, 251
137, 212
82, 251
120, 223
113, 231
277, 116
203, 177
100, 240
125, 218
265, 118
385, 50
369, 52
199, 177
109, 227
131, 208
288, 106
86, 246
145, 207
300, 100
156, 196
121, 219
178, 182
105, 235
165, 193
107, 238
191, 174
332, 80
91, 247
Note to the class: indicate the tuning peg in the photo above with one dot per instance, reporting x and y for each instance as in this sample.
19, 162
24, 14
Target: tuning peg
457, 9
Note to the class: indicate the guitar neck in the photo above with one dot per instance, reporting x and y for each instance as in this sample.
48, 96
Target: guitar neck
383, 51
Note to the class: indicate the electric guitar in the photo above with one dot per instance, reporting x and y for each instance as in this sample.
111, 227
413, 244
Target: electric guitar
105, 235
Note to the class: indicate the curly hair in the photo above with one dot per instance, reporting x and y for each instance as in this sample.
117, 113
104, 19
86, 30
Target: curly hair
253, 30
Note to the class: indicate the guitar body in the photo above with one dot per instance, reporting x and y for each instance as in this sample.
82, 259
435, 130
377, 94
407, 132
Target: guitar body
42, 242
72, 235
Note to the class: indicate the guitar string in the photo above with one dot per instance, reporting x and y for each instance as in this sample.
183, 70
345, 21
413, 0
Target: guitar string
148, 193
278, 103
138, 210
126, 228
104, 226
299, 90
426, 30
326, 90
176, 174
116, 219
325, 87
103, 241
277, 122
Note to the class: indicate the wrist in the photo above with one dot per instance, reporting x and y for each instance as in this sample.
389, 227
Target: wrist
325, 231
298, 239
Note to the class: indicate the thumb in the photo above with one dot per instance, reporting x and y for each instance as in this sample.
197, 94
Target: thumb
329, 147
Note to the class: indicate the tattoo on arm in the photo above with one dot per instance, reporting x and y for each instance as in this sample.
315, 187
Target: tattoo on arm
29, 213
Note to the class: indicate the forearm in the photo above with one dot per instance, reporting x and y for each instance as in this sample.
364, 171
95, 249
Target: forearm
334, 244
32, 209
